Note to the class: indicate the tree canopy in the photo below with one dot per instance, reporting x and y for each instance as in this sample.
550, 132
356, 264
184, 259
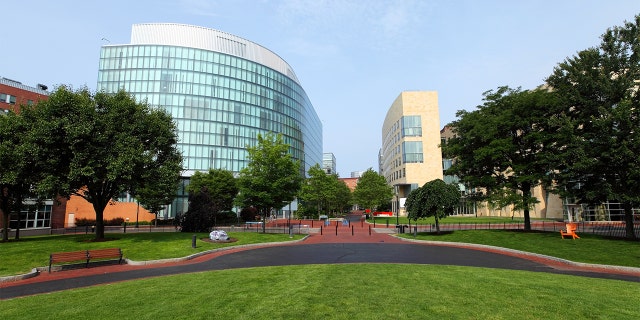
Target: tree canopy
434, 199
100, 145
372, 190
272, 178
209, 194
500, 146
323, 192
597, 124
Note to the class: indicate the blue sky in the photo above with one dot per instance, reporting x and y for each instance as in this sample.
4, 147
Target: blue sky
353, 57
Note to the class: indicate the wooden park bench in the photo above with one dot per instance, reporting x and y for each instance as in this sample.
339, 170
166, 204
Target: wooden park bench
570, 231
85, 256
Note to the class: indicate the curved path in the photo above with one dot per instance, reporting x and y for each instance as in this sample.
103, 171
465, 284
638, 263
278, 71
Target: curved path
347, 246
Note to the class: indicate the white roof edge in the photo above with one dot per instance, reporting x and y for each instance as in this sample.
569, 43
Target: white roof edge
184, 35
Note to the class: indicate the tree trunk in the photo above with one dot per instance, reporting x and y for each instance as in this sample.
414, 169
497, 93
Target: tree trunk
99, 221
437, 224
628, 220
5, 210
526, 196
5, 225
18, 208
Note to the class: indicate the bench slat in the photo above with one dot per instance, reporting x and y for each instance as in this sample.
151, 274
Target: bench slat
105, 253
85, 256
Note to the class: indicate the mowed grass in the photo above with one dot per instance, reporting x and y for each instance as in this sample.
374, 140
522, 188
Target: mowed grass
345, 291
19, 257
588, 249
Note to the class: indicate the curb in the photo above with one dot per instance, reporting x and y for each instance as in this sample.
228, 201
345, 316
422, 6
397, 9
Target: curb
530, 255
36, 271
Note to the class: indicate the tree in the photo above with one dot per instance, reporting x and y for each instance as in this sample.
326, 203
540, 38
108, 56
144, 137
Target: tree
315, 191
501, 146
220, 189
324, 192
98, 146
372, 190
17, 169
597, 130
159, 187
271, 179
434, 199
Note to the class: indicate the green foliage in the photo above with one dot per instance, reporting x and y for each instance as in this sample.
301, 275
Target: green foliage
434, 199
372, 190
597, 126
323, 193
503, 146
220, 184
272, 178
99, 145
249, 214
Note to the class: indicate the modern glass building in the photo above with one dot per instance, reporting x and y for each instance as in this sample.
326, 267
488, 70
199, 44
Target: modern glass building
222, 91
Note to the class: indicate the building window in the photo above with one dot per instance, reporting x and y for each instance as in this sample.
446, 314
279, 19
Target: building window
411, 126
412, 152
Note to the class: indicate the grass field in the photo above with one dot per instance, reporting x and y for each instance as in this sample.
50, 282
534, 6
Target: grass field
588, 249
21, 256
346, 291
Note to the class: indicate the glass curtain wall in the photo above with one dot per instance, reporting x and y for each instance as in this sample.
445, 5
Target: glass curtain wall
220, 103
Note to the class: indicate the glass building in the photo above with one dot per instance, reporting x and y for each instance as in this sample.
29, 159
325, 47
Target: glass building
221, 90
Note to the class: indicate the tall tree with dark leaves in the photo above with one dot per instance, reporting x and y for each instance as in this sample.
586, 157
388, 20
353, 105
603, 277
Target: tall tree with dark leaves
501, 147
100, 145
598, 123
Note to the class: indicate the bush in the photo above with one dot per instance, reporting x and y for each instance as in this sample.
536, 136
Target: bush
82, 222
248, 214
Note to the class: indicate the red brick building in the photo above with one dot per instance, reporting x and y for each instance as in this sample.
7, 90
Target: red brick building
13, 94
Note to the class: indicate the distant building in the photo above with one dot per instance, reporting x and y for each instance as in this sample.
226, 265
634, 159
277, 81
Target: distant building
357, 174
13, 94
410, 155
329, 163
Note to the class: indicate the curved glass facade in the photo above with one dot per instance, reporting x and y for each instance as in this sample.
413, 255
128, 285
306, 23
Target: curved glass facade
220, 94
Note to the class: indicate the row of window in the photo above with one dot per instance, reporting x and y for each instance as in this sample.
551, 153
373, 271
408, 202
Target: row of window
208, 64
7, 98
206, 95
33, 216
209, 92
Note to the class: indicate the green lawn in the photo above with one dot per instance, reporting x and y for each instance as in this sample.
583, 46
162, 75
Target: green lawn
589, 248
20, 257
345, 291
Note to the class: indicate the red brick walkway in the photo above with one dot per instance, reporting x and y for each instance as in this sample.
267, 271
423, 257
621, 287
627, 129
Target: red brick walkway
357, 232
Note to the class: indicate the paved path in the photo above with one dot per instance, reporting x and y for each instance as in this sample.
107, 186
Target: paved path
359, 244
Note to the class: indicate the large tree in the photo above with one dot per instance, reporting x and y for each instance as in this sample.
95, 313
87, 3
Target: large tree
372, 190
271, 179
100, 145
434, 199
324, 192
598, 122
17, 166
219, 188
500, 146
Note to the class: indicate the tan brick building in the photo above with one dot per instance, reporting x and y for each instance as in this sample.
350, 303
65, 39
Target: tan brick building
410, 155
